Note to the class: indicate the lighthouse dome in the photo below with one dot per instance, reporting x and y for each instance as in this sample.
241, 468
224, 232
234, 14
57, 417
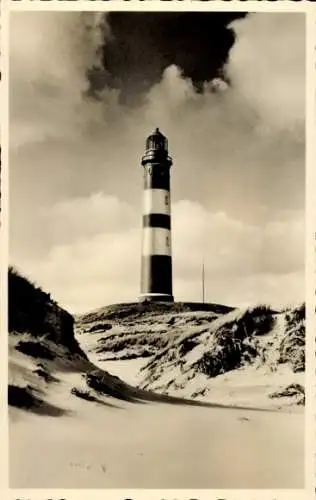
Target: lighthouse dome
157, 141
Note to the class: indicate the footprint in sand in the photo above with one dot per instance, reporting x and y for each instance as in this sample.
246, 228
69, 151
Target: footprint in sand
80, 466
86, 467
243, 419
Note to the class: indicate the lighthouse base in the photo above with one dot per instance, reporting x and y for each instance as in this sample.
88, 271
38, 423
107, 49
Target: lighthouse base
155, 297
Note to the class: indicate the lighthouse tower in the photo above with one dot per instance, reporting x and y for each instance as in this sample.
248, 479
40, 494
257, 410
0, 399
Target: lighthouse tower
156, 265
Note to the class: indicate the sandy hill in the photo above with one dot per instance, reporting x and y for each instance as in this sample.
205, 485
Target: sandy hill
73, 424
42, 344
202, 350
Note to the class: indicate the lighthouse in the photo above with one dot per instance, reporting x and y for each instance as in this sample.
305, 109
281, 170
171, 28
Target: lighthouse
156, 259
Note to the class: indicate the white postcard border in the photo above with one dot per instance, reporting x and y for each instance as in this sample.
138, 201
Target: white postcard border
310, 416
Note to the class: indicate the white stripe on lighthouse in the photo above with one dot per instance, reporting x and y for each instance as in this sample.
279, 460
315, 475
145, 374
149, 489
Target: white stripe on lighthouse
156, 201
156, 241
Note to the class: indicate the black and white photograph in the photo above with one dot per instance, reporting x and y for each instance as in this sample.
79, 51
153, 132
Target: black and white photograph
156, 288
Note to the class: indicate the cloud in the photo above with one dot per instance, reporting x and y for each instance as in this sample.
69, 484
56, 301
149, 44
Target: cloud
94, 261
237, 179
48, 74
233, 247
91, 268
88, 217
267, 66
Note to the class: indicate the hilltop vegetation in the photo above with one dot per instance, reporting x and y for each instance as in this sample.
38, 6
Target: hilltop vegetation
186, 351
43, 350
34, 312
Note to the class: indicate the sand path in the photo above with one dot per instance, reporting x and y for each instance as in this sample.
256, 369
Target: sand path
156, 445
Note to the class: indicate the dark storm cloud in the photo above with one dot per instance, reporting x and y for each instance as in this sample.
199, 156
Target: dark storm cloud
143, 44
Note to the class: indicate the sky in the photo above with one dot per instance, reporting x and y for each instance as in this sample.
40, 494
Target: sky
86, 89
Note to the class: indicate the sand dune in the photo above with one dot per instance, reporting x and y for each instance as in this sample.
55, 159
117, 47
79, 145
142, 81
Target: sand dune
74, 425
114, 443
